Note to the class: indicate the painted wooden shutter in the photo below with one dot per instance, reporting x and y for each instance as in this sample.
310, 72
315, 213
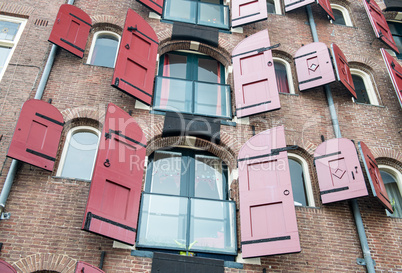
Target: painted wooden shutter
83, 267
37, 134
395, 73
342, 69
248, 11
114, 196
379, 24
340, 176
326, 7
294, 4
374, 176
313, 66
255, 85
267, 212
71, 29
136, 61
156, 5
6, 267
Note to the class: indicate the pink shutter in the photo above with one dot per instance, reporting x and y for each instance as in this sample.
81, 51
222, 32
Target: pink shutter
395, 72
267, 213
327, 8
71, 29
156, 5
255, 85
379, 24
313, 66
114, 196
374, 176
248, 11
136, 61
340, 176
342, 69
37, 134
83, 267
294, 4
6, 267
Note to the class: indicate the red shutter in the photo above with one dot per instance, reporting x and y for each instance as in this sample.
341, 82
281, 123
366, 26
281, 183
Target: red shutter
342, 69
37, 134
374, 176
248, 11
136, 62
114, 196
340, 176
379, 24
71, 29
267, 212
255, 85
313, 66
327, 8
6, 267
156, 5
294, 4
395, 72
83, 267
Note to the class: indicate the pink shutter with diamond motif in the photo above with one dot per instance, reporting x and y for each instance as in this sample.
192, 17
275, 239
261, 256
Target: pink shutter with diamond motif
248, 11
342, 69
395, 73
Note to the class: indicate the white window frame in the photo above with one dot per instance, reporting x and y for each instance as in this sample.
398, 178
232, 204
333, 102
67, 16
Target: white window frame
12, 44
278, 8
368, 84
345, 14
395, 173
288, 73
307, 179
70, 133
96, 35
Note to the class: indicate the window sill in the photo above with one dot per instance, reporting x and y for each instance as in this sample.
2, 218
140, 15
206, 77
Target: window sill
288, 94
62, 178
373, 105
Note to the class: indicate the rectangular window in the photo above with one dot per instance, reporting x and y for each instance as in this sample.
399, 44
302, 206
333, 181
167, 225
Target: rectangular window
396, 30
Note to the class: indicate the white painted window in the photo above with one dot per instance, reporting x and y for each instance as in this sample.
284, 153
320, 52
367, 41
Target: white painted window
392, 179
364, 87
283, 74
341, 15
301, 182
104, 47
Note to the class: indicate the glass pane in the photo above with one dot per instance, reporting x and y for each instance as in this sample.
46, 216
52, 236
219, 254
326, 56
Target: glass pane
166, 173
80, 155
393, 193
181, 10
213, 15
209, 70
296, 175
360, 89
105, 50
212, 226
163, 221
271, 6
8, 30
175, 66
212, 100
208, 177
281, 77
173, 95
4, 51
339, 19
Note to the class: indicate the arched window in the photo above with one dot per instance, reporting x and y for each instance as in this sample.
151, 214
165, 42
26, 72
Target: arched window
283, 74
341, 15
274, 6
79, 153
392, 179
301, 183
364, 87
103, 51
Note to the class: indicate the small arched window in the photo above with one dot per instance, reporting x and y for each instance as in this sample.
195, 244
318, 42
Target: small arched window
283, 74
341, 15
301, 183
364, 87
103, 51
79, 153
392, 179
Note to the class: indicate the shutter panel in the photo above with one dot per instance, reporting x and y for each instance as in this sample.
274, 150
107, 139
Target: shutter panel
313, 66
156, 5
294, 4
342, 69
114, 196
37, 134
340, 176
395, 73
374, 176
71, 29
255, 85
327, 8
248, 11
379, 24
83, 267
6, 267
267, 212
136, 61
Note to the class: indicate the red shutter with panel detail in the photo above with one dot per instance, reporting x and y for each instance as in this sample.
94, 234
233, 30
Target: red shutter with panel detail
395, 72
294, 4
37, 134
71, 29
267, 212
255, 85
248, 11
6, 267
340, 176
83, 267
156, 5
374, 176
114, 196
342, 69
326, 7
379, 24
313, 66
136, 61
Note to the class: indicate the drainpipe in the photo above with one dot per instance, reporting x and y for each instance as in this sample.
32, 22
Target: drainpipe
335, 124
38, 95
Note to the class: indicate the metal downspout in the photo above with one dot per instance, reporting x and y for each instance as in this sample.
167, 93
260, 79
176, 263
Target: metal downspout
38, 95
335, 124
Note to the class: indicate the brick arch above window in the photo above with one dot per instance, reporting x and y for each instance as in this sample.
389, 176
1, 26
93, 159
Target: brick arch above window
105, 21
16, 10
46, 262
93, 113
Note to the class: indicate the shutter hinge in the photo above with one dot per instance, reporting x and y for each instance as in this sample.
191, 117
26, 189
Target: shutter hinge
116, 82
132, 28
277, 151
108, 136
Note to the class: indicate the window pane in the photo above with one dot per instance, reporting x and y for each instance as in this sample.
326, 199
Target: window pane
166, 173
4, 51
281, 77
393, 193
208, 177
181, 10
105, 50
339, 19
213, 15
209, 70
8, 30
360, 89
80, 155
175, 66
396, 30
212, 99
297, 177
173, 95
270, 6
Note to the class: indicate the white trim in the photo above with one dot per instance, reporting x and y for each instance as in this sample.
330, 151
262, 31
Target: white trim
367, 83
345, 14
12, 44
103, 33
395, 173
307, 180
288, 73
